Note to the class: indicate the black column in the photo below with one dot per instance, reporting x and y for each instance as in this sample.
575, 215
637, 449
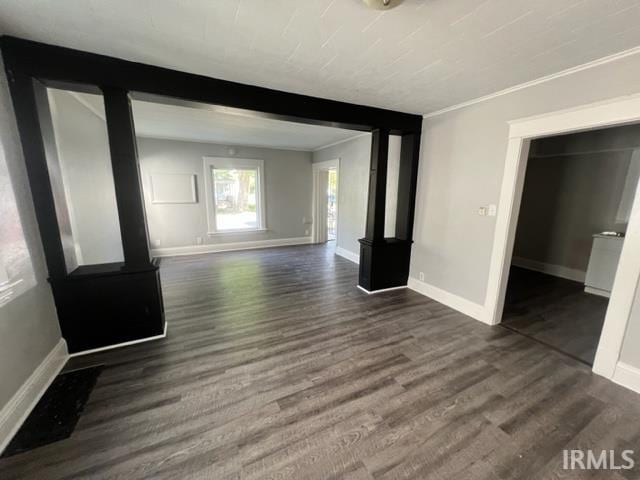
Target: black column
126, 177
377, 185
384, 262
407, 184
29, 99
109, 304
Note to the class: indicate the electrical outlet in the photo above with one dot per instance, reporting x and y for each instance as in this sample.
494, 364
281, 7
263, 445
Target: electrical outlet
422, 276
482, 211
198, 240
157, 242
306, 232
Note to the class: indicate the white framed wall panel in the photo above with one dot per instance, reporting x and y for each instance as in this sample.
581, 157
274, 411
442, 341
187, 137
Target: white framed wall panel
168, 188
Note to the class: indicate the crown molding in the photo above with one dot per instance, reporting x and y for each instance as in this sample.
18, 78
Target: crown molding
341, 141
87, 105
537, 81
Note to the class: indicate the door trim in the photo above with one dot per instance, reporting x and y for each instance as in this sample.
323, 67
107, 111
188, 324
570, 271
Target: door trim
619, 111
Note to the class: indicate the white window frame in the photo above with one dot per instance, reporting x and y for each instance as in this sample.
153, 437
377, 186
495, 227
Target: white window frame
211, 163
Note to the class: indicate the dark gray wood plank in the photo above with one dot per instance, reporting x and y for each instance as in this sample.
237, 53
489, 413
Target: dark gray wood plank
277, 366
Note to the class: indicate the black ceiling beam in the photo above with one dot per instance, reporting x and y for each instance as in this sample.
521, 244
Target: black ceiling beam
60, 65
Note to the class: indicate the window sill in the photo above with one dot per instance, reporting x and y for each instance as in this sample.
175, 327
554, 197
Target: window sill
7, 291
237, 232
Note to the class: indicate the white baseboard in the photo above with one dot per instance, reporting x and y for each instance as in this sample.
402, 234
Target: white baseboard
597, 291
550, 269
16, 411
373, 292
354, 257
123, 344
462, 305
627, 376
228, 247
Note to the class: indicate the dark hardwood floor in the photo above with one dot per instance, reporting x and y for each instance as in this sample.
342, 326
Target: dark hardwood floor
555, 311
277, 366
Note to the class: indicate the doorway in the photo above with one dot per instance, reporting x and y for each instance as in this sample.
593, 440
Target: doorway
521, 132
332, 205
575, 207
325, 201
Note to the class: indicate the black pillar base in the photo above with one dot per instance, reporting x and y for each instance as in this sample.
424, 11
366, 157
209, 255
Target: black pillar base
105, 305
384, 263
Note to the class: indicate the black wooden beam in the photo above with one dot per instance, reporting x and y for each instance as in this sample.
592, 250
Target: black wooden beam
25, 103
58, 64
384, 262
126, 177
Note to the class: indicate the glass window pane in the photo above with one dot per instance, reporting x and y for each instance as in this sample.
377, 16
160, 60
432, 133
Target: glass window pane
235, 198
16, 270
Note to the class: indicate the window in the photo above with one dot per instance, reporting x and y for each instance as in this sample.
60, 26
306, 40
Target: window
234, 195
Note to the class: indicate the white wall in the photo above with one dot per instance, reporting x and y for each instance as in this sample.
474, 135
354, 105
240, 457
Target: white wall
565, 201
86, 174
288, 185
28, 324
393, 172
461, 168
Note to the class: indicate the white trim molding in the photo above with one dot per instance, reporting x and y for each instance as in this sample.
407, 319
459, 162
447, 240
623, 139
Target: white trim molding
237, 232
228, 247
16, 411
462, 305
550, 269
597, 291
617, 111
382, 290
211, 163
345, 140
628, 376
349, 255
92, 108
123, 344
537, 81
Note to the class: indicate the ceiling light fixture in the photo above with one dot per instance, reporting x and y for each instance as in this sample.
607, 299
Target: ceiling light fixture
382, 4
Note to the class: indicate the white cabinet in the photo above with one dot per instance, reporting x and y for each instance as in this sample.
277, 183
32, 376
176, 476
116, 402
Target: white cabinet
603, 264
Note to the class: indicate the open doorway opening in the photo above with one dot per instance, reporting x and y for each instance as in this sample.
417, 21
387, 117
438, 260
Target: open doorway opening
332, 205
325, 201
576, 203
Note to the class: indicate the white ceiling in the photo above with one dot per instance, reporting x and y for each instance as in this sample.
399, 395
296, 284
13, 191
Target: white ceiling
422, 56
204, 123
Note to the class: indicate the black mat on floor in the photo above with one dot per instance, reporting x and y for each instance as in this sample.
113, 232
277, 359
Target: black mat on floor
55, 416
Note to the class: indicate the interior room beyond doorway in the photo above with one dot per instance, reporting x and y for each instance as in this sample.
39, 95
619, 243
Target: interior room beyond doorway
576, 203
